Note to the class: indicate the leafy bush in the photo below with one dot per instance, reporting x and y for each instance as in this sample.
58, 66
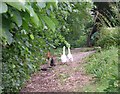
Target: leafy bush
81, 41
104, 67
20, 60
109, 37
27, 32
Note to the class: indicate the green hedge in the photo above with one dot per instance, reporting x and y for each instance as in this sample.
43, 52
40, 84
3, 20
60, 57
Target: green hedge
109, 37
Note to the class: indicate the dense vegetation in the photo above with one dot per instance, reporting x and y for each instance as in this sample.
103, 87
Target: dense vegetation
104, 67
30, 29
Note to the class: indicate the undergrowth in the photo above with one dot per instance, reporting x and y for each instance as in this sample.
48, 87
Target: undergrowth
104, 68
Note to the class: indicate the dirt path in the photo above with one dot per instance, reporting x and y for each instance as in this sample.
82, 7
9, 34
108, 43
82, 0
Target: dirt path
61, 78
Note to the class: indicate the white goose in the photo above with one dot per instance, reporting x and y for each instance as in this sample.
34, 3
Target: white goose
70, 57
63, 56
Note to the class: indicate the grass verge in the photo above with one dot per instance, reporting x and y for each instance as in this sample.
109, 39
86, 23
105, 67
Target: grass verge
104, 68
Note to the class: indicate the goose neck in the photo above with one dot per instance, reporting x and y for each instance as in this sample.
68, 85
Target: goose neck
69, 51
64, 51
